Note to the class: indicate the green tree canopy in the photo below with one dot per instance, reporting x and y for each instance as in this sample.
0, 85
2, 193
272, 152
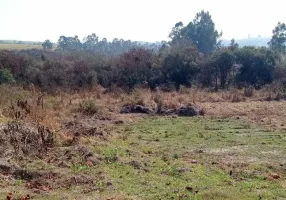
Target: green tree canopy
278, 40
181, 63
47, 45
257, 65
69, 43
201, 31
6, 77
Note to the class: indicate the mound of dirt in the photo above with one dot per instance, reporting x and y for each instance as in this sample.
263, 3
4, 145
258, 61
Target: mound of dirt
136, 109
188, 111
185, 110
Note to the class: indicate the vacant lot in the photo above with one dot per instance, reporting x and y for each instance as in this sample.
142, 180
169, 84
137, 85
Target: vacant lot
235, 151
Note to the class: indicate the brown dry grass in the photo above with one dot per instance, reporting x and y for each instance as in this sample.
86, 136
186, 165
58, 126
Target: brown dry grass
61, 107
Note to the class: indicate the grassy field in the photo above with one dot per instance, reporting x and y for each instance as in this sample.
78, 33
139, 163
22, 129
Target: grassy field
236, 151
19, 46
183, 158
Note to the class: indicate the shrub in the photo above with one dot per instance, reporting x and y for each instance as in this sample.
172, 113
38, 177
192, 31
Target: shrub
159, 101
6, 77
184, 90
175, 156
110, 155
257, 66
137, 98
249, 91
137, 67
88, 107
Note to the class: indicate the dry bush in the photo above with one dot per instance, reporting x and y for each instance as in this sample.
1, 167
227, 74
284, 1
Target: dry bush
269, 92
237, 97
249, 91
159, 100
184, 90
141, 97
88, 107
181, 99
25, 139
170, 100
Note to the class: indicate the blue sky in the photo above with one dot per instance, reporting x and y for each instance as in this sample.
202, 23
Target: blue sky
144, 20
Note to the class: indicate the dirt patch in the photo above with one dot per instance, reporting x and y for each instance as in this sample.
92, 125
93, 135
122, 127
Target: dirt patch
184, 110
85, 127
271, 115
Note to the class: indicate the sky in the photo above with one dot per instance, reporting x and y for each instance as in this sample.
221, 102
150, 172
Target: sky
140, 20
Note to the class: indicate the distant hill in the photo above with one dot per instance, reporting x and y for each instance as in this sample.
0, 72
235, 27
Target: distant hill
251, 41
19, 42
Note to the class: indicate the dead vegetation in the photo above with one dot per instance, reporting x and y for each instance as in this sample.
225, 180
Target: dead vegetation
54, 128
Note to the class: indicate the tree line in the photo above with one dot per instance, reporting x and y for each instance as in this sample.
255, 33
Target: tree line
193, 56
91, 43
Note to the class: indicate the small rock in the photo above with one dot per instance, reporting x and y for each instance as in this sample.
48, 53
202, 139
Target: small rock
64, 164
274, 175
118, 122
89, 163
93, 160
181, 170
189, 188
86, 152
194, 161
109, 184
135, 164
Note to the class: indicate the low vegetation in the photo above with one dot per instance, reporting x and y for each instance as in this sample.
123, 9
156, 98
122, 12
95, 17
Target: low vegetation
184, 119
78, 145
